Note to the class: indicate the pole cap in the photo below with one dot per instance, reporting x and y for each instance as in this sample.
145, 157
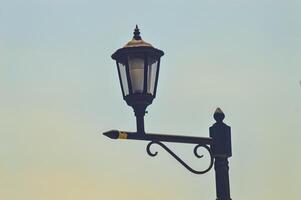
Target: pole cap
219, 115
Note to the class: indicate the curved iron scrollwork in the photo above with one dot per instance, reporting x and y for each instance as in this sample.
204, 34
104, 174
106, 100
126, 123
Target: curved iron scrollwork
179, 159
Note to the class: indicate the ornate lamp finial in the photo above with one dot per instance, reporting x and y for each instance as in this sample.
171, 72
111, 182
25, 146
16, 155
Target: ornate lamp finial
219, 115
137, 33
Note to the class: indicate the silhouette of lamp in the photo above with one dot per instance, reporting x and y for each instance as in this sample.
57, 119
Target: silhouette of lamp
138, 65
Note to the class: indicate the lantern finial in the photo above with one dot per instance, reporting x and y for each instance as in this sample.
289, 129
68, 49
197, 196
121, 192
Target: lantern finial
137, 33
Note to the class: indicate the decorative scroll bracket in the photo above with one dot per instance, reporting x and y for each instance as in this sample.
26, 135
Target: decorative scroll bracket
179, 159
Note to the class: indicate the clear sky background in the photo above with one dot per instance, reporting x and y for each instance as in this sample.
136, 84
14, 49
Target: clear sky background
59, 91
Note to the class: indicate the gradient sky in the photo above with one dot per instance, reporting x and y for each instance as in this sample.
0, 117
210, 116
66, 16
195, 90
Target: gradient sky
60, 91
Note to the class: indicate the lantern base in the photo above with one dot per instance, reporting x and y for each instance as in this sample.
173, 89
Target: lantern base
139, 99
139, 102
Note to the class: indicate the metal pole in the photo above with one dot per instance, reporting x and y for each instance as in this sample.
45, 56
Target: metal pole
221, 150
115, 134
139, 113
140, 123
222, 178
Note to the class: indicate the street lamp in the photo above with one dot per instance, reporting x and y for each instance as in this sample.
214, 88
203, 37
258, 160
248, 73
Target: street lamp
138, 66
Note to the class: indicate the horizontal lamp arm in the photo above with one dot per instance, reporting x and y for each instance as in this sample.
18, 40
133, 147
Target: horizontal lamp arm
115, 134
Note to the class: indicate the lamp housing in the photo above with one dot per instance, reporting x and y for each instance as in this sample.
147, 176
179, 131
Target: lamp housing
138, 65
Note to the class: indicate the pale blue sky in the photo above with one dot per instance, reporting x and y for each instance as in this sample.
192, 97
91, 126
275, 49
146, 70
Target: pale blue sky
60, 91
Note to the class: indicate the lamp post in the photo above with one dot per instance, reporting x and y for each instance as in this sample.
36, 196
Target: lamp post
138, 65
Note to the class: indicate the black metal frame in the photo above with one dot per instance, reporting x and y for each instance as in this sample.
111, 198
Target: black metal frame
179, 159
121, 56
218, 144
140, 101
159, 138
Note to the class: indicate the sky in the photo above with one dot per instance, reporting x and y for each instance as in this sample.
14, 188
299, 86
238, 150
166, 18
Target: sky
59, 92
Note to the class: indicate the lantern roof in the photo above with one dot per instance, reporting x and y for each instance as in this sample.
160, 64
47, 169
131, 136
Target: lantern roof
137, 40
137, 45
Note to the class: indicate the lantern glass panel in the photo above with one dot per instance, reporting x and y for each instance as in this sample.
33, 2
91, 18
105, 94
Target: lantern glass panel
136, 68
151, 75
123, 78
